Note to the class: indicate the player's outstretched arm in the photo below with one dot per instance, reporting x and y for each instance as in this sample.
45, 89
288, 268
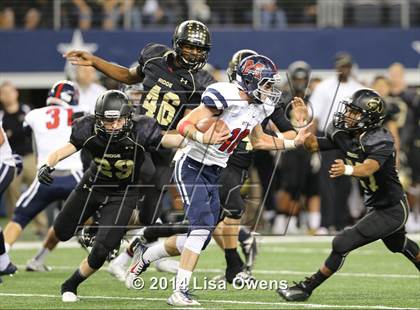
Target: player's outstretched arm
186, 127
44, 172
114, 71
367, 168
262, 141
63, 152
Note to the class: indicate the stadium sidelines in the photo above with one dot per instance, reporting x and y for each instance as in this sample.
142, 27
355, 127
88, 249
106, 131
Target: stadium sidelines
237, 302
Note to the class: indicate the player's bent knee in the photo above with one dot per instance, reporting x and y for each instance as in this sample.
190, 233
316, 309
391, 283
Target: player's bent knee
63, 234
21, 219
395, 245
197, 240
345, 241
98, 255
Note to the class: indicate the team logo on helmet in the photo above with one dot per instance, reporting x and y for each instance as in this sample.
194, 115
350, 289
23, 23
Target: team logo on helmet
375, 105
255, 68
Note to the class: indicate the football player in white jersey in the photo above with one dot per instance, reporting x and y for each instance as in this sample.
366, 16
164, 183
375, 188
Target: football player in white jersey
242, 106
51, 126
7, 173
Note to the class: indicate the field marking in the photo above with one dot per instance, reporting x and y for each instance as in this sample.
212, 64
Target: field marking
263, 239
238, 302
275, 272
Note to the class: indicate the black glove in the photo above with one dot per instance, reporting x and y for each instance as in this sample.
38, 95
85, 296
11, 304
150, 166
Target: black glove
44, 175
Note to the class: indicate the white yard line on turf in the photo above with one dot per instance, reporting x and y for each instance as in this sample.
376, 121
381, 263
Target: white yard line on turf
263, 239
238, 302
279, 272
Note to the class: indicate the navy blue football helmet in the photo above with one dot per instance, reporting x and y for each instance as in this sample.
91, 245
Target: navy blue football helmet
64, 93
257, 75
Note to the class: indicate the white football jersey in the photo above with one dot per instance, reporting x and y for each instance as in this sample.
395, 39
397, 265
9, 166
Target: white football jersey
240, 116
6, 156
51, 127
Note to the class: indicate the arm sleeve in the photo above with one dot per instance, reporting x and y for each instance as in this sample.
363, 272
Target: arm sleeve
148, 131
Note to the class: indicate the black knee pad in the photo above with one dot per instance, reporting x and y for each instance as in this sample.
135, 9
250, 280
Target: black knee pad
62, 233
346, 241
98, 255
233, 211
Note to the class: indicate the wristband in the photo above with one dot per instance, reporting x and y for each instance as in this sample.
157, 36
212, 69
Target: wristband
184, 124
289, 144
348, 170
199, 137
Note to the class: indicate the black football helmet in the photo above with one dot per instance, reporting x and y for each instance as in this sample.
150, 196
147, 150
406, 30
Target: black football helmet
110, 106
299, 73
196, 34
364, 110
235, 61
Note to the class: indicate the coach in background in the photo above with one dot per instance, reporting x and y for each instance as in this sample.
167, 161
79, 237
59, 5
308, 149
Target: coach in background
324, 100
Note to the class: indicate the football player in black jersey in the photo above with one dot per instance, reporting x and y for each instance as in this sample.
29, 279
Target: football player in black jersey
117, 143
172, 84
370, 157
231, 180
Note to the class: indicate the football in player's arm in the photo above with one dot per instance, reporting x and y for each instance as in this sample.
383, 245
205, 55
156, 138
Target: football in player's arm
369, 151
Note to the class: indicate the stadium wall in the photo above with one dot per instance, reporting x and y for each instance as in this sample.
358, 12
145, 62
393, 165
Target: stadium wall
32, 59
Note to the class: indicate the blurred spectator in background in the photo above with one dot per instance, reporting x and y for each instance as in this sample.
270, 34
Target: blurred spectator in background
7, 18
325, 98
271, 15
19, 136
382, 85
199, 10
89, 89
84, 14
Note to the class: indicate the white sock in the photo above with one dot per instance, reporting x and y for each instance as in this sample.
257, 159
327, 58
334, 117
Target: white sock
182, 280
4, 261
314, 220
123, 259
155, 252
279, 224
7, 247
42, 253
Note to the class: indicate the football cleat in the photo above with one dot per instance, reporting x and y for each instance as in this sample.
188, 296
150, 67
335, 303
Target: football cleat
117, 270
167, 265
138, 266
180, 299
243, 278
9, 270
68, 293
250, 250
36, 266
69, 297
298, 292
